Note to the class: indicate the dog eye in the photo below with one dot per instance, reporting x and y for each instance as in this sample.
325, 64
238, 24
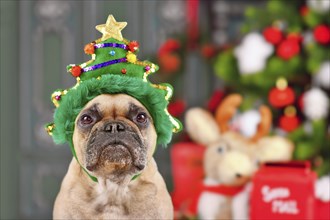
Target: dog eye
86, 119
141, 118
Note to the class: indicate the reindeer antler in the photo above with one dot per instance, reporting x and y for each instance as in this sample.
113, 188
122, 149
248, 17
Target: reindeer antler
226, 110
264, 124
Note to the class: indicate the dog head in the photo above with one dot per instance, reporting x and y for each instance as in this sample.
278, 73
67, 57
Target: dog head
114, 136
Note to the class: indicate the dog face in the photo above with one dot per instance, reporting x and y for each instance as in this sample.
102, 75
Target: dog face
114, 136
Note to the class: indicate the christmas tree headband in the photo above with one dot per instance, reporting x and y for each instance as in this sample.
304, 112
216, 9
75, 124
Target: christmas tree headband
113, 69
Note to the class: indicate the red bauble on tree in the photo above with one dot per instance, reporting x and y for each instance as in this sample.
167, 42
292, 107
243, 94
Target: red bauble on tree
289, 121
301, 101
89, 48
322, 34
281, 95
208, 51
133, 46
76, 71
169, 62
177, 108
169, 46
288, 49
295, 37
273, 35
215, 100
304, 10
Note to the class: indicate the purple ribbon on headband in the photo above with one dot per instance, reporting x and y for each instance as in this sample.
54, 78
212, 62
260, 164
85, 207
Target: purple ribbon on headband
100, 65
102, 45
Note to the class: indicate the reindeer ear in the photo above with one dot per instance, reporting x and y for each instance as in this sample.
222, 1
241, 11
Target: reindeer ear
201, 126
274, 148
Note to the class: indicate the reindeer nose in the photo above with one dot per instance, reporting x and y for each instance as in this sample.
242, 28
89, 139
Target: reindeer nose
114, 127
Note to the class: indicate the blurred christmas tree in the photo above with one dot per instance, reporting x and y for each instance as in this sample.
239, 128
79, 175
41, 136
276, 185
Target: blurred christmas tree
283, 61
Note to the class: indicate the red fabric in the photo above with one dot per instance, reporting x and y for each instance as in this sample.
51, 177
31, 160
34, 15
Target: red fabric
223, 190
219, 189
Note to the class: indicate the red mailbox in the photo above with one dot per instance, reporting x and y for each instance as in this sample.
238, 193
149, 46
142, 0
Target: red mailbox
283, 191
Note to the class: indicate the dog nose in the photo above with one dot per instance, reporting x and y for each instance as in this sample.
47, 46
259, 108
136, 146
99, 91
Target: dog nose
238, 175
114, 127
140, 166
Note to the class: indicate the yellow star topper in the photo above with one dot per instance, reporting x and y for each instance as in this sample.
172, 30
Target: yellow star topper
111, 28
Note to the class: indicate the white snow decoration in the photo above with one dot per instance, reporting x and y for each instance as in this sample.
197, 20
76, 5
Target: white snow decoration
252, 53
320, 6
322, 188
322, 77
247, 122
316, 104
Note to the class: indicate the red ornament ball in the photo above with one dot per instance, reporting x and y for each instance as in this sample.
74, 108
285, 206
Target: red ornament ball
89, 49
273, 35
177, 108
169, 63
123, 71
301, 101
304, 10
289, 123
288, 49
281, 97
322, 34
133, 46
215, 100
76, 71
295, 37
208, 51
168, 46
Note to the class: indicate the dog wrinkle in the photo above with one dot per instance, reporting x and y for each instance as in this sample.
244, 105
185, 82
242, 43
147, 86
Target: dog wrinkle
114, 113
99, 208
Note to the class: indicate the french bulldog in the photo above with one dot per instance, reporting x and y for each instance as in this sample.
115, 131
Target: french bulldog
114, 139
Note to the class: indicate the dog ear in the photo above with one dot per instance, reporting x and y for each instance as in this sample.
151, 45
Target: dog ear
201, 126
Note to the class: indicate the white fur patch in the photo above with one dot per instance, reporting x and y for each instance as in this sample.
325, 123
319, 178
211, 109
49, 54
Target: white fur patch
209, 203
109, 190
240, 204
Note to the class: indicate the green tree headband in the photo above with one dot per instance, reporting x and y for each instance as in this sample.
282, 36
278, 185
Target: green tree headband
113, 69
